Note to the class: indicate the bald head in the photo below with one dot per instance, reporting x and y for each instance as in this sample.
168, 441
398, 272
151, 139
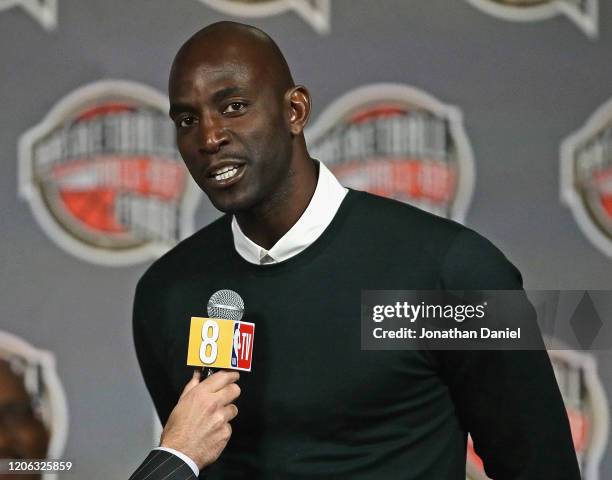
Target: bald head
238, 44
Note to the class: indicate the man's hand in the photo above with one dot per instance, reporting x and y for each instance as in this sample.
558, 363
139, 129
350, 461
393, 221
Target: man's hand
199, 424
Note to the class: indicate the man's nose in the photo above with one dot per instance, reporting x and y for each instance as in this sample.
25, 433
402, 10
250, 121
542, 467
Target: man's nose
214, 134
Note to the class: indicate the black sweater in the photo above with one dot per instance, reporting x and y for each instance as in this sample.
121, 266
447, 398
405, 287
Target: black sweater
315, 404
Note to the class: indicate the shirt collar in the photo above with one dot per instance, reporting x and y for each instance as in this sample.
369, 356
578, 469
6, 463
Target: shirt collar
318, 215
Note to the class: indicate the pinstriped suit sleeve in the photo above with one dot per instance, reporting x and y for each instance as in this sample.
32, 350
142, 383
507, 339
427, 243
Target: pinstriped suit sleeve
161, 465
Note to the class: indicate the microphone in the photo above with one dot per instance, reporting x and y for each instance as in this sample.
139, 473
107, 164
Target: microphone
222, 341
223, 304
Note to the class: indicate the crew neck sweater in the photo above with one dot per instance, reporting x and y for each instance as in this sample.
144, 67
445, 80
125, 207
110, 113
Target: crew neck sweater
315, 405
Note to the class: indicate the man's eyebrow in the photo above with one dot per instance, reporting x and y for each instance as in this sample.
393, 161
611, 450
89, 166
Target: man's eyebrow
180, 107
225, 92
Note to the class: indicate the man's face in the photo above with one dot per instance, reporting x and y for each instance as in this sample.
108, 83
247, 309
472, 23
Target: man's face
22, 434
231, 127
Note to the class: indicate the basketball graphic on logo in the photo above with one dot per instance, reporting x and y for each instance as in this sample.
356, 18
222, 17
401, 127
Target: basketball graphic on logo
586, 177
584, 13
315, 12
103, 176
399, 142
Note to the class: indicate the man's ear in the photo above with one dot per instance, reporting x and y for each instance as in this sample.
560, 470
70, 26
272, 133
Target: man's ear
299, 108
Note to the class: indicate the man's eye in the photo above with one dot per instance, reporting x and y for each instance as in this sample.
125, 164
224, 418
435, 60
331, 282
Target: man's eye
185, 122
234, 107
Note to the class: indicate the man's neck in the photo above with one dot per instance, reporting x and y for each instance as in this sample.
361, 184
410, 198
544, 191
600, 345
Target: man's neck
268, 223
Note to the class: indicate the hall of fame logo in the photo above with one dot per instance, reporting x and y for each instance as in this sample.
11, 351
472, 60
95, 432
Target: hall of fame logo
396, 141
103, 176
583, 13
587, 410
315, 12
43, 11
586, 177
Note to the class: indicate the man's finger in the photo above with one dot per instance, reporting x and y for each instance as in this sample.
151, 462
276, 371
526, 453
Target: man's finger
228, 394
229, 412
219, 379
194, 382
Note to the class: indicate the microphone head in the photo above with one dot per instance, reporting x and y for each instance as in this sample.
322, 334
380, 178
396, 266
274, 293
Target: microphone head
225, 304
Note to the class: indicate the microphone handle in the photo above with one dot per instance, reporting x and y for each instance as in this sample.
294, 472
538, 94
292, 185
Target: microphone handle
207, 372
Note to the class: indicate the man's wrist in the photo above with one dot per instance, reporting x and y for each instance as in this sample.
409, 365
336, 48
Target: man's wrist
183, 457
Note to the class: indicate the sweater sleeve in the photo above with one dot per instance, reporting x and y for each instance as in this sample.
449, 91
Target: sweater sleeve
508, 401
144, 321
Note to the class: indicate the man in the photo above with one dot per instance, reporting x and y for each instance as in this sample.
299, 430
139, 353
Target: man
300, 248
22, 432
33, 408
197, 430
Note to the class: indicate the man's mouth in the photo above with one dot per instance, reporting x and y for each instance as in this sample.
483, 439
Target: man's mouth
227, 174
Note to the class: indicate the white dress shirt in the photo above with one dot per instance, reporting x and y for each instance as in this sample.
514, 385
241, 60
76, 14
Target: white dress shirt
318, 215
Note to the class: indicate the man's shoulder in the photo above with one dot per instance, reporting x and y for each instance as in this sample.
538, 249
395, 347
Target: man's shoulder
391, 215
464, 257
195, 253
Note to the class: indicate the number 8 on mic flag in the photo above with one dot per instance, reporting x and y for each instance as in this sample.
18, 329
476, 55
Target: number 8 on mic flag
219, 343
